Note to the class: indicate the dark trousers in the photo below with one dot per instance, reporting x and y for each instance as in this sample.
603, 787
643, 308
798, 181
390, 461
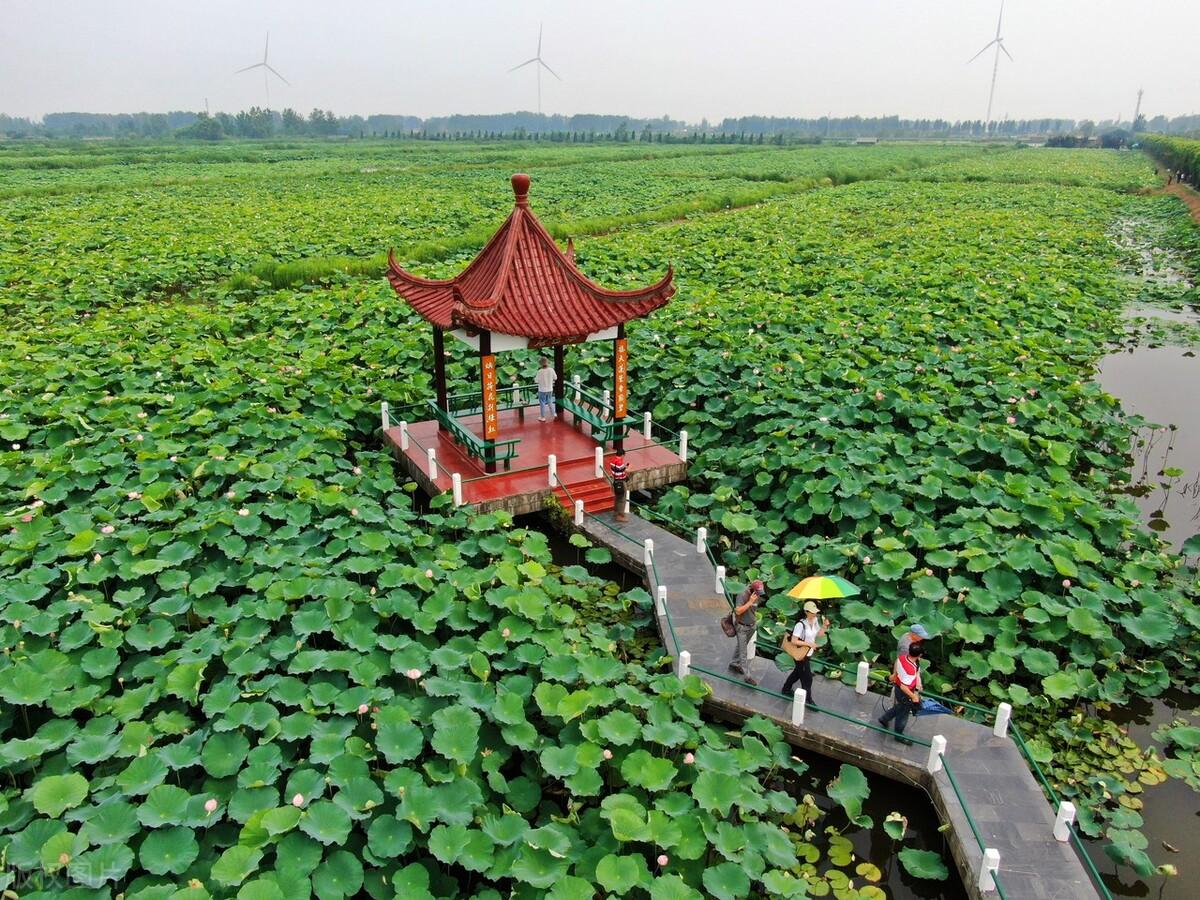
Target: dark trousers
801, 672
900, 711
620, 488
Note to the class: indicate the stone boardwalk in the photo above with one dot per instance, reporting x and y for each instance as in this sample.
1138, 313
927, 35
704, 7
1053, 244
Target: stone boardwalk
1010, 811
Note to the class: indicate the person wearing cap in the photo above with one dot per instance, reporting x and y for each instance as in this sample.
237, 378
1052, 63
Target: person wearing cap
906, 676
745, 621
915, 634
806, 634
620, 482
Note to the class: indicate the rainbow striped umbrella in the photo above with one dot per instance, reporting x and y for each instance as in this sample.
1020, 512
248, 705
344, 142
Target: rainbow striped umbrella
822, 587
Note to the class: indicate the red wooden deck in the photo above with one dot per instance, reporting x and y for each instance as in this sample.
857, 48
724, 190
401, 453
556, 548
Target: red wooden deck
523, 486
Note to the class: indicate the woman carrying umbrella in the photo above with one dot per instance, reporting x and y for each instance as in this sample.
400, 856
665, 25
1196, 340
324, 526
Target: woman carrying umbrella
805, 635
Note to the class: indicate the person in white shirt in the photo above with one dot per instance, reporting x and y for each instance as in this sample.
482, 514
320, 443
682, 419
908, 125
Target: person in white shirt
806, 633
545, 378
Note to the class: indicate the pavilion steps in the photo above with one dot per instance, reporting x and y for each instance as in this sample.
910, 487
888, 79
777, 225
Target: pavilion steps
596, 494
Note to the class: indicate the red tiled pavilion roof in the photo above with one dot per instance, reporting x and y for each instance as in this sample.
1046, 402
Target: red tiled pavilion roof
522, 284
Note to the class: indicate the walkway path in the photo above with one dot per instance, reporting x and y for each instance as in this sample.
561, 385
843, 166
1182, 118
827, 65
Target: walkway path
982, 773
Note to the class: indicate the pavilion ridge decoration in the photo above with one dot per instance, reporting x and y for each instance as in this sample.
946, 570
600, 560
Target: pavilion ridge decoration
523, 292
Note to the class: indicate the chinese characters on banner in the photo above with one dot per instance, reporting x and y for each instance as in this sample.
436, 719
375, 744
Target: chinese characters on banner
621, 380
491, 418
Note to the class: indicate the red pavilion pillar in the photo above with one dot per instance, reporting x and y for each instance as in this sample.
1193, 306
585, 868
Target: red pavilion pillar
439, 372
620, 386
489, 406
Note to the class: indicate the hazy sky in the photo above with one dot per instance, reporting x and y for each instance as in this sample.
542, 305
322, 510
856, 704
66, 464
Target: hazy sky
703, 58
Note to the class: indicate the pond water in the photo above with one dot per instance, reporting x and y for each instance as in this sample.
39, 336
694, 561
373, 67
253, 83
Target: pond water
1158, 383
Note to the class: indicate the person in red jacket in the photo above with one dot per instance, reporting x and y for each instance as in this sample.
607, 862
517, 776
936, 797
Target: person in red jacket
620, 475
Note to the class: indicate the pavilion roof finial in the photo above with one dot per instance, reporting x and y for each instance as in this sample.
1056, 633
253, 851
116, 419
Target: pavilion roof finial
520, 184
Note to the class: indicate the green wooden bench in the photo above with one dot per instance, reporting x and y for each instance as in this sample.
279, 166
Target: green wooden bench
604, 430
486, 451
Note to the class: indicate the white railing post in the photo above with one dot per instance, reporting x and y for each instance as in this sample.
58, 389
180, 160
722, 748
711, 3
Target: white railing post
578, 512
383, 415
606, 398
575, 381
685, 663
552, 466
403, 435
937, 746
864, 673
517, 395
720, 579
1062, 824
683, 445
646, 425
799, 699
431, 455
701, 538
662, 599
456, 483
648, 552
626, 503
599, 462
1003, 714
988, 866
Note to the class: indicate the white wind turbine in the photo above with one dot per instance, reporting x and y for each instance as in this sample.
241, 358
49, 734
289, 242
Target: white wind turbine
999, 43
540, 64
268, 71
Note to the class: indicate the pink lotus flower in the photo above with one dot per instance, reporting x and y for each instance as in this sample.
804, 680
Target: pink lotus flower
210, 806
1011, 420
133, 495
879, 395
362, 709
298, 800
354, 511
429, 573
28, 517
689, 759
243, 511
230, 494
607, 753
141, 415
663, 859
138, 437
108, 529
414, 674
866, 560
174, 459
505, 633
96, 558
1135, 583
1066, 582
357, 470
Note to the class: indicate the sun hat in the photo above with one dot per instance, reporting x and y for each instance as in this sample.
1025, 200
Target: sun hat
811, 607
919, 631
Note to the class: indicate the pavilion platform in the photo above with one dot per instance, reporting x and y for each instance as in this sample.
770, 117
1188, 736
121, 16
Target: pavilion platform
524, 486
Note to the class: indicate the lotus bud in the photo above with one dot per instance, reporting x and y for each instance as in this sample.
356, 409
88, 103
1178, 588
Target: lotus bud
28, 517
663, 859
689, 759
362, 709
372, 590
1011, 420
138, 437
133, 495
1066, 582
230, 494
505, 633
96, 557
929, 571
243, 511
210, 806
414, 674
607, 753
879, 395
354, 511
299, 644
64, 858
866, 560
1135, 583
298, 800
108, 529
429, 573
357, 470
174, 459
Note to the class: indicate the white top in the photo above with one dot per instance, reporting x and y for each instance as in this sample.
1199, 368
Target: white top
805, 631
545, 379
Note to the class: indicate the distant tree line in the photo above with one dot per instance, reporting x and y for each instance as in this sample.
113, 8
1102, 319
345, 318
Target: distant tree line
259, 123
